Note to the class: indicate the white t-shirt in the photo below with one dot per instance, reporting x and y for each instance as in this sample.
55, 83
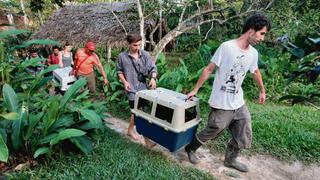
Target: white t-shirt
232, 64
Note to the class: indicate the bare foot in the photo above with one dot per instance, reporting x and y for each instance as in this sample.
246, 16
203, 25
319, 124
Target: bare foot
133, 135
149, 143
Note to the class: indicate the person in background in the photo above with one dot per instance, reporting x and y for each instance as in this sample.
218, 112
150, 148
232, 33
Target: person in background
85, 60
65, 56
133, 67
54, 57
231, 61
34, 69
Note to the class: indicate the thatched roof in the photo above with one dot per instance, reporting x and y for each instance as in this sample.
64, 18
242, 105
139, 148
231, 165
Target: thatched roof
80, 23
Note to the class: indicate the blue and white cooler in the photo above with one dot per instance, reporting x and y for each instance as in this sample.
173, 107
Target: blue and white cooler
166, 117
62, 77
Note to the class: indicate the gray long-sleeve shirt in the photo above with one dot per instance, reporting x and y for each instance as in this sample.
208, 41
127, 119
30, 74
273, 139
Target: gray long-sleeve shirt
144, 64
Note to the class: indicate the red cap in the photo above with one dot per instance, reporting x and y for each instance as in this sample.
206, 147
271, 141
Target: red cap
91, 46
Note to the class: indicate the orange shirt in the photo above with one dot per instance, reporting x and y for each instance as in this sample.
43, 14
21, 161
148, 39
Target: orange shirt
87, 66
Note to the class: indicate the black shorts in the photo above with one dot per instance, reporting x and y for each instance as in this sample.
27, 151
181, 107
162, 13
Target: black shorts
141, 104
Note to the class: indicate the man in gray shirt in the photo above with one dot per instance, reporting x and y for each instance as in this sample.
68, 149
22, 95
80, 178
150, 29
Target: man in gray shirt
133, 67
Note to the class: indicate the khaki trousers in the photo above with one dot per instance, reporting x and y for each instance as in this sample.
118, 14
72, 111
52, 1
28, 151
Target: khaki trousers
237, 121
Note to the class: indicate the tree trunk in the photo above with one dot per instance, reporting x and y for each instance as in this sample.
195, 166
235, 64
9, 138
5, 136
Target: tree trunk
25, 19
10, 18
143, 41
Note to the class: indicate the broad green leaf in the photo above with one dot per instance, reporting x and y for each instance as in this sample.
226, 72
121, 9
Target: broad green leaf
3, 133
64, 121
33, 120
48, 69
17, 127
87, 126
10, 116
82, 95
37, 85
83, 143
4, 152
67, 133
32, 62
48, 138
72, 91
36, 41
93, 117
293, 97
9, 33
115, 95
51, 115
42, 150
10, 98
41, 42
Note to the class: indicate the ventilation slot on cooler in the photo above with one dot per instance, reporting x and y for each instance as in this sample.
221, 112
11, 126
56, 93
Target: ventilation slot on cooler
190, 114
164, 113
145, 105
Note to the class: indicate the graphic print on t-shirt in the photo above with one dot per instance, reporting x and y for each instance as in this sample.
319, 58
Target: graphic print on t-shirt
234, 76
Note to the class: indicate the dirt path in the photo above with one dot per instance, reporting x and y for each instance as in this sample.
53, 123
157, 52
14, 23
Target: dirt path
261, 167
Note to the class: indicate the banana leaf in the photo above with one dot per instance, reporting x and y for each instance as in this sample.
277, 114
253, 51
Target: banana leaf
93, 117
33, 120
51, 115
83, 143
64, 121
295, 98
40, 151
65, 134
17, 127
4, 152
10, 98
40, 84
9, 33
75, 88
10, 116
36, 42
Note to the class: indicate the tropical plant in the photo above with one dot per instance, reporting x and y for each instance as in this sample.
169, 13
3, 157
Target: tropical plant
35, 130
183, 80
33, 122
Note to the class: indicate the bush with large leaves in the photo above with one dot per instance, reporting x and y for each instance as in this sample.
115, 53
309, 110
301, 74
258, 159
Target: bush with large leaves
33, 122
37, 130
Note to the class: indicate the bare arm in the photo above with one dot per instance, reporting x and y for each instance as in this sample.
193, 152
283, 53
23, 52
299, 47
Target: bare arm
60, 59
207, 71
124, 82
258, 79
98, 63
153, 82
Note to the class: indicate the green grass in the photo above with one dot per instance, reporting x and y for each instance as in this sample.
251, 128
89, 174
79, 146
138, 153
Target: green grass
115, 157
286, 132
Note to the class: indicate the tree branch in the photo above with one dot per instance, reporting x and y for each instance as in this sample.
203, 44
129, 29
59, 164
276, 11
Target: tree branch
208, 32
119, 21
153, 31
269, 4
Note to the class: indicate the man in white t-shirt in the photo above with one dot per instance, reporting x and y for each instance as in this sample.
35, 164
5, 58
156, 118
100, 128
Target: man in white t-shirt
228, 110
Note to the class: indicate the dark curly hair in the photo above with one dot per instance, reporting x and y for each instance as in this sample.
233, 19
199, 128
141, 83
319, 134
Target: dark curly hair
257, 22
